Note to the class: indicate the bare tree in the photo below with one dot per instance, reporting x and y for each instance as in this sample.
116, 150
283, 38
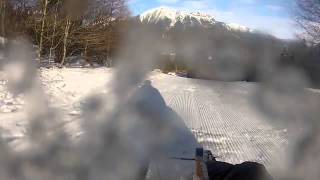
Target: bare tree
54, 29
107, 13
98, 36
308, 17
115, 9
43, 21
61, 28
3, 16
65, 39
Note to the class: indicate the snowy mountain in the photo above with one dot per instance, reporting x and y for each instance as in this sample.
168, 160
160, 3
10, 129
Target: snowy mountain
169, 17
238, 27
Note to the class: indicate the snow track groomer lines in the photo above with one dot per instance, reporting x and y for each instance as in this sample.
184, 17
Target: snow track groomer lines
220, 115
224, 119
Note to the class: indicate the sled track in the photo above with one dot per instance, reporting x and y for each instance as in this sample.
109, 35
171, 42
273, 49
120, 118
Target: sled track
223, 118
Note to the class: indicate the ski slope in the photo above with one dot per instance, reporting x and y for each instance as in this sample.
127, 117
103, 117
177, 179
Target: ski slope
221, 115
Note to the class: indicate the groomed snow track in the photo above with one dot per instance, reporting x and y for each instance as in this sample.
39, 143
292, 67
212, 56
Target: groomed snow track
224, 119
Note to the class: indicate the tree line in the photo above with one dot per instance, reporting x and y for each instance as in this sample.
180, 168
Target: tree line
206, 51
216, 52
62, 28
305, 53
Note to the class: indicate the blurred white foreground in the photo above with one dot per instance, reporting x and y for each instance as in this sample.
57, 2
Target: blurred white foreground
221, 115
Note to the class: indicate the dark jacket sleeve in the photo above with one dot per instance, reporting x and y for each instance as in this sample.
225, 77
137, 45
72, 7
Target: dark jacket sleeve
245, 171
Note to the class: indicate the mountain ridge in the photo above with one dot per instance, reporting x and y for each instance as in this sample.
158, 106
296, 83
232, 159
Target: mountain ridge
169, 17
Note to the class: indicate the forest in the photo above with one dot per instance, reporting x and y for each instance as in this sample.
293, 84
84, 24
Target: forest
63, 28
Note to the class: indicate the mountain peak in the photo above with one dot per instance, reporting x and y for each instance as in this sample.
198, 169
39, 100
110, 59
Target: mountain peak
169, 17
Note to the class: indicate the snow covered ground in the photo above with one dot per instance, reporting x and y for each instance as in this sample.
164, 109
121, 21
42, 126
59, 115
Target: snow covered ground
224, 119
222, 115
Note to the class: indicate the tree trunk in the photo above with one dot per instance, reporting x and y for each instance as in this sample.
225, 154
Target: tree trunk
3, 17
110, 19
43, 19
65, 40
86, 57
54, 32
109, 61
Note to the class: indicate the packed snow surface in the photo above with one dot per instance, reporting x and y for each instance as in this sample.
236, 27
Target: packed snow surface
221, 115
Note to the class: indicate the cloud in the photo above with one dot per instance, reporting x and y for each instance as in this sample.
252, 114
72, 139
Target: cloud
274, 7
279, 26
133, 1
196, 4
168, 1
247, 1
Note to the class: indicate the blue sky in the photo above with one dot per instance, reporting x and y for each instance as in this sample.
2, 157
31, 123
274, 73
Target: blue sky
272, 16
